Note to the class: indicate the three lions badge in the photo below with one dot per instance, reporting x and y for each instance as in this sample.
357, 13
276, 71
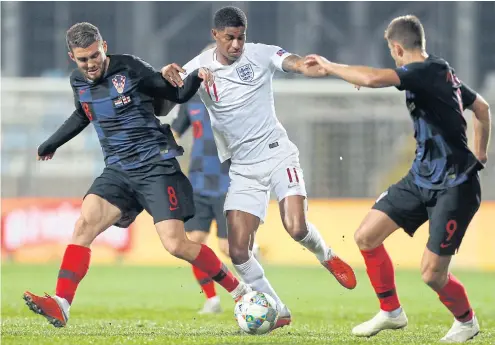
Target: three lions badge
245, 72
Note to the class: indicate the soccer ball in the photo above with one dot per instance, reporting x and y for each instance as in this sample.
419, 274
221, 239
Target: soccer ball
256, 313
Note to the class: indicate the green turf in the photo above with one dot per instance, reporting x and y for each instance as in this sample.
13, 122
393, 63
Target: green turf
153, 305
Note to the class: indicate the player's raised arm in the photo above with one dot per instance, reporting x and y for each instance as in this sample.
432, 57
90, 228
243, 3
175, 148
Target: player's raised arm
154, 84
159, 86
357, 75
69, 129
287, 62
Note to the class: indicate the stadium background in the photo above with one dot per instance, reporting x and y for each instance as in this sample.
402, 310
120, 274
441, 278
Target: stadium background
352, 144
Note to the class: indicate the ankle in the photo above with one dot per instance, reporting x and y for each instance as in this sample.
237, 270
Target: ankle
392, 313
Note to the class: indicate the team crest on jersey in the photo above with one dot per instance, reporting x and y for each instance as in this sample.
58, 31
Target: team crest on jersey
245, 72
119, 83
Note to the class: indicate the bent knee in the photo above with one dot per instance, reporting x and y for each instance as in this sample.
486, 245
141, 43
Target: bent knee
365, 240
296, 227
238, 254
434, 279
177, 248
85, 231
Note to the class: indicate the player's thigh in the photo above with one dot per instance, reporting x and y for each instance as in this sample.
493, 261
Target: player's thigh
287, 179
217, 204
247, 193
165, 192
451, 215
203, 217
400, 206
109, 201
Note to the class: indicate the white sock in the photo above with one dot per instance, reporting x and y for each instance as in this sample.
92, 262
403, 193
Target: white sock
393, 313
63, 303
316, 244
253, 274
214, 299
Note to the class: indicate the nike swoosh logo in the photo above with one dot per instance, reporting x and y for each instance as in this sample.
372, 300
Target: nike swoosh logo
195, 112
173, 208
443, 245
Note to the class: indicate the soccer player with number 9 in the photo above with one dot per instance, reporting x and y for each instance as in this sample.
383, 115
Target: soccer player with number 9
442, 186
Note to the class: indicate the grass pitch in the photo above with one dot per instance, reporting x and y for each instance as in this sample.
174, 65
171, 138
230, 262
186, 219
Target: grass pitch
156, 305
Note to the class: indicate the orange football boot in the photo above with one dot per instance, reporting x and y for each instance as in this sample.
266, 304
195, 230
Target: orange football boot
282, 322
48, 307
341, 271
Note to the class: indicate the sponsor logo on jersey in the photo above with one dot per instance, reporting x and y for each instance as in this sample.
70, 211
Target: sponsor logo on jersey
119, 83
245, 72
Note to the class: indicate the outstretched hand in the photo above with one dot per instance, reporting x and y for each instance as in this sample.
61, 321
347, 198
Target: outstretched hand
45, 157
171, 74
205, 74
316, 60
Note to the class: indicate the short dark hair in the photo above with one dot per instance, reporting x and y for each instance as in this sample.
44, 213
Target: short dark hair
82, 35
229, 16
408, 31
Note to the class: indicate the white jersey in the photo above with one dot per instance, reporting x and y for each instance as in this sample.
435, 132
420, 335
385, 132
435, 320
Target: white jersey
241, 105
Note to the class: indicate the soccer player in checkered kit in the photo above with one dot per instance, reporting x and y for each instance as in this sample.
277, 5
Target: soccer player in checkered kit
117, 94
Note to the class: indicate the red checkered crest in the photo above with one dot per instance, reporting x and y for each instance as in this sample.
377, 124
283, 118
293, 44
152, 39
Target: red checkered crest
119, 83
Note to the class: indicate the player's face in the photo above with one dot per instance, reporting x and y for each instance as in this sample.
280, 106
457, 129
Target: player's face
91, 61
397, 53
230, 42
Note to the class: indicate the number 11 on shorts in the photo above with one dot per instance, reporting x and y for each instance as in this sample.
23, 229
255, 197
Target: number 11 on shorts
292, 178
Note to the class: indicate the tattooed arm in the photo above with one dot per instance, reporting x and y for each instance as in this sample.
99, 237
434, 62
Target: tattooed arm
295, 64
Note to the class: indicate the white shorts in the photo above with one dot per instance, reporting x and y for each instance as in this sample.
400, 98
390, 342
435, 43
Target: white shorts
250, 185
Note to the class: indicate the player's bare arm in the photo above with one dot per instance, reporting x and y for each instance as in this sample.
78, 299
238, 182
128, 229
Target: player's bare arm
357, 75
69, 129
171, 74
482, 127
156, 86
295, 64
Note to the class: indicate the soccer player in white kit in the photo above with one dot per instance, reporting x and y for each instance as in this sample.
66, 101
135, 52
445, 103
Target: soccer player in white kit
246, 131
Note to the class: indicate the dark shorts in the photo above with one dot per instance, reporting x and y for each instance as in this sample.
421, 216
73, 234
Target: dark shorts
449, 211
159, 188
208, 208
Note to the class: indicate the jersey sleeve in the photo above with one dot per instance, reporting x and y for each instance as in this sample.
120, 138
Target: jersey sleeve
410, 76
190, 66
153, 84
468, 95
68, 130
182, 122
276, 55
